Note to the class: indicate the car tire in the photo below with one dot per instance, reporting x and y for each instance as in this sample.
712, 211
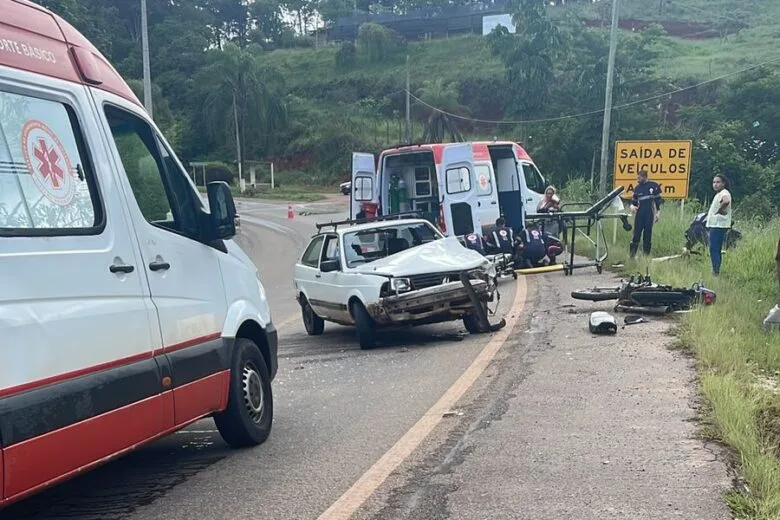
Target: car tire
364, 326
249, 415
314, 324
471, 321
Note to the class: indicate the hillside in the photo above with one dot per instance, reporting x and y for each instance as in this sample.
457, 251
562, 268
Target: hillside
718, 38
244, 78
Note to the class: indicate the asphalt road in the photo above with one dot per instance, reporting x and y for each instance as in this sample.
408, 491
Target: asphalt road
337, 411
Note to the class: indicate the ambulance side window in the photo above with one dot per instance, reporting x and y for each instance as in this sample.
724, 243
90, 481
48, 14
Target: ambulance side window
46, 181
162, 193
458, 180
533, 179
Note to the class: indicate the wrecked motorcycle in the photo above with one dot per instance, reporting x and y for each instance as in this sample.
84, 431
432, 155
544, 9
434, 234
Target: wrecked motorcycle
641, 294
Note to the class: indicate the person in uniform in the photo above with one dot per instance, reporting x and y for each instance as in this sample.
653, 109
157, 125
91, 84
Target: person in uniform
503, 238
475, 242
646, 206
537, 248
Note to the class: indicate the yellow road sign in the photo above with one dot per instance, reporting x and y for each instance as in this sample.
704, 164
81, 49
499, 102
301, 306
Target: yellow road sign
667, 162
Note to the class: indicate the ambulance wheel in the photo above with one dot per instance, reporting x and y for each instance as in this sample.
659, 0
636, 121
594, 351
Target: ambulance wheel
249, 415
364, 326
314, 324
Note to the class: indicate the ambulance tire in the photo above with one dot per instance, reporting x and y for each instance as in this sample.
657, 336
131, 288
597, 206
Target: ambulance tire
249, 415
364, 326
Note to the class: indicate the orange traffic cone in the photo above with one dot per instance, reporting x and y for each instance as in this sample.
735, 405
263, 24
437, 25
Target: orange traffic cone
290, 214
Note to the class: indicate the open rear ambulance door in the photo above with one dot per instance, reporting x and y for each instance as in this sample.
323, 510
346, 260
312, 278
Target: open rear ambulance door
458, 188
363, 182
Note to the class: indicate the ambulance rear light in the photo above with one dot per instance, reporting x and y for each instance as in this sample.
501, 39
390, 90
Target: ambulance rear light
441, 222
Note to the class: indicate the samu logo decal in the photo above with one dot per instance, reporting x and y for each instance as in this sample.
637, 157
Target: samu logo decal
48, 163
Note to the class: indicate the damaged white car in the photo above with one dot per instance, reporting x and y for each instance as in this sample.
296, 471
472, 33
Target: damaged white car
391, 273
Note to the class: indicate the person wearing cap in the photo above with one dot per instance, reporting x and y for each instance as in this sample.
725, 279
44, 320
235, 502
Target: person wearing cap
646, 206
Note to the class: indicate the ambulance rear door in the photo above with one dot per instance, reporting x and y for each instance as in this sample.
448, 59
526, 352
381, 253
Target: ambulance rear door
363, 182
458, 186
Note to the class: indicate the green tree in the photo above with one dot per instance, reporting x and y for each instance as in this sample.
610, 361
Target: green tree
439, 125
238, 100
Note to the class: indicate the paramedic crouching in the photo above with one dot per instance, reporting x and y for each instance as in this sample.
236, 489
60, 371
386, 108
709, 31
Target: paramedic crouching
646, 205
502, 239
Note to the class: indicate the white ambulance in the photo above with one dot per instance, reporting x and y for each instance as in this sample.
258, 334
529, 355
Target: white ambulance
461, 187
118, 324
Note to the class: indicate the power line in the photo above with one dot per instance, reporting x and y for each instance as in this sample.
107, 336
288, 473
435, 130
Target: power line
596, 112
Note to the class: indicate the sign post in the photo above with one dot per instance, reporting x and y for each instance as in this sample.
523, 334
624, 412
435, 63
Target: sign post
667, 162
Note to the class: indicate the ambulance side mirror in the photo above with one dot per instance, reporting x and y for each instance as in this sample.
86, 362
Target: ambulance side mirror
222, 218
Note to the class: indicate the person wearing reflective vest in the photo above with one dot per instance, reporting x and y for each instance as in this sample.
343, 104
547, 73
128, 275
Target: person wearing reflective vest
475, 242
503, 238
538, 248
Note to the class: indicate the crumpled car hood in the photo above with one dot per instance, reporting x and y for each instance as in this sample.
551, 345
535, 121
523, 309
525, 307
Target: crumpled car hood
447, 254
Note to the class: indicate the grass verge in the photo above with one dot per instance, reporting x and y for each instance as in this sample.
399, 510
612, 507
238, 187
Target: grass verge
738, 362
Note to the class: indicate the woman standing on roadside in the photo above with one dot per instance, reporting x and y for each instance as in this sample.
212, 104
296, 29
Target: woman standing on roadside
719, 219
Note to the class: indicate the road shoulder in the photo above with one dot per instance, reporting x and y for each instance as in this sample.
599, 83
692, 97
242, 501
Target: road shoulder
572, 426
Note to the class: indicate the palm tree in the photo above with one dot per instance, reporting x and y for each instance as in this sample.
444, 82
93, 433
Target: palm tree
445, 98
238, 99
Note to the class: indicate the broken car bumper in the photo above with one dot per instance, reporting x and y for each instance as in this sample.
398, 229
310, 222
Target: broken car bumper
440, 303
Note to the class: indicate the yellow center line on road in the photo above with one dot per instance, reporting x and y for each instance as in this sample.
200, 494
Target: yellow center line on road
361, 490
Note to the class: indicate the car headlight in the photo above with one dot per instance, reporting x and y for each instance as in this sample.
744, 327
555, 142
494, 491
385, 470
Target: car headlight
400, 285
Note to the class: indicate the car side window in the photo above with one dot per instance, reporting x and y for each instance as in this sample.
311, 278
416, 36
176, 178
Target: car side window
164, 196
331, 249
311, 257
46, 182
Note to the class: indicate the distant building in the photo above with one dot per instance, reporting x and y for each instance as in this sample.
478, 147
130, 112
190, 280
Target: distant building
427, 23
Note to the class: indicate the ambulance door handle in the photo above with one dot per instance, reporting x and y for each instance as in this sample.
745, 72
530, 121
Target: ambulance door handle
159, 266
121, 268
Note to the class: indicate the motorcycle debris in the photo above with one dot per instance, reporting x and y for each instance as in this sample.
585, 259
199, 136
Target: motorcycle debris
633, 319
602, 323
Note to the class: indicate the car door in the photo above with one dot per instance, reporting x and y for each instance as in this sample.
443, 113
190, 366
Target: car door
307, 269
78, 381
459, 189
328, 297
182, 271
363, 182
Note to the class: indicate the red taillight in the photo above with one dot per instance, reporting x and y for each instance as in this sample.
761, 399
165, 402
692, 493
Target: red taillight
708, 296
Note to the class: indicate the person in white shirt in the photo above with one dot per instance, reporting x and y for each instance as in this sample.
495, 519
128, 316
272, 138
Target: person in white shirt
719, 219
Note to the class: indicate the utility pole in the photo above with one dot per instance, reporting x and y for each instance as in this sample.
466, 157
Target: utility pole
608, 100
408, 104
147, 72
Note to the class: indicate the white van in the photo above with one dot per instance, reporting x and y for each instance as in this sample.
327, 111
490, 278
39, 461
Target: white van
117, 325
461, 187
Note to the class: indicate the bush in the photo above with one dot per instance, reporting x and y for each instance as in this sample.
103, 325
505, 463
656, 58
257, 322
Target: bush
378, 43
346, 57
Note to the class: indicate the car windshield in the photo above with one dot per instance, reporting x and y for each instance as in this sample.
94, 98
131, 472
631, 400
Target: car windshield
362, 247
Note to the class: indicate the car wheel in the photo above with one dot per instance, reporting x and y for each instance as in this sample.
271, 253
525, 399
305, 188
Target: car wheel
314, 324
364, 326
471, 321
249, 415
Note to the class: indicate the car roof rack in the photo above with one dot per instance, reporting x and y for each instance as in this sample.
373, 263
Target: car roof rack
350, 222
